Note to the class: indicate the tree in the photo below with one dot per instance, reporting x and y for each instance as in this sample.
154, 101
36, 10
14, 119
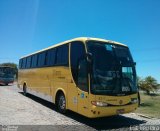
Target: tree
148, 84
13, 65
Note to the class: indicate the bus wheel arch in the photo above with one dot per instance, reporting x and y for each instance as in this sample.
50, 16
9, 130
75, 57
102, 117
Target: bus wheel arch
60, 101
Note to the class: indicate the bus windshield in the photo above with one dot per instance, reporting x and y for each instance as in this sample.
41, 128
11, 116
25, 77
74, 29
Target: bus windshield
6, 72
113, 70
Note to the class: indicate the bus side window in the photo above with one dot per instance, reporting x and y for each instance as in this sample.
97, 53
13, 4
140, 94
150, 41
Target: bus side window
77, 51
24, 63
83, 75
20, 63
34, 61
51, 54
28, 63
62, 55
41, 59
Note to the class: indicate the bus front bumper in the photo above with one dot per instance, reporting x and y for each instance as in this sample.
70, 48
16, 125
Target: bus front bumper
111, 110
6, 82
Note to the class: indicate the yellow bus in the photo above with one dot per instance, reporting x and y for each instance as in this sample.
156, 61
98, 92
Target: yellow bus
91, 76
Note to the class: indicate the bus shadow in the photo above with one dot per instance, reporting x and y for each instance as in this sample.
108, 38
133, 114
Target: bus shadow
6, 85
41, 101
104, 123
107, 123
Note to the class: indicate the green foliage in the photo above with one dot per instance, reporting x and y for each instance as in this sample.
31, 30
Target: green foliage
13, 65
150, 105
148, 84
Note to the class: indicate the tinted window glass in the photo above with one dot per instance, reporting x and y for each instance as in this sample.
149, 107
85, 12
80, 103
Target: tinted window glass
41, 59
20, 63
50, 59
83, 75
28, 64
77, 51
58, 56
24, 63
113, 69
34, 61
62, 55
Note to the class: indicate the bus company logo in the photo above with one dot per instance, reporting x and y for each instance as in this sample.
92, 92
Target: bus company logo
120, 102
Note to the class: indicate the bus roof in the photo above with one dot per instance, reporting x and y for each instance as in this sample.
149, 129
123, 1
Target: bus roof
75, 39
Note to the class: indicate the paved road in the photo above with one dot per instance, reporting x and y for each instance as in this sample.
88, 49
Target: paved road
16, 109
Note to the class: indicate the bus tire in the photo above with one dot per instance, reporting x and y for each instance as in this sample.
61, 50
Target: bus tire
24, 90
61, 103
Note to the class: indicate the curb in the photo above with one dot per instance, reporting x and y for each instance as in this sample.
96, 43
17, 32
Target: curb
145, 116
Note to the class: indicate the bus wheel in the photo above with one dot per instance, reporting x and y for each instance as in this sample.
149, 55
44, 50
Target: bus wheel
61, 103
24, 89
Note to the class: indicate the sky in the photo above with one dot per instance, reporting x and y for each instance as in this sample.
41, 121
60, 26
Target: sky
27, 26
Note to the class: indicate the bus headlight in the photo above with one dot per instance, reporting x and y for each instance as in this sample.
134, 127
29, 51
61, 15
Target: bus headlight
99, 103
134, 100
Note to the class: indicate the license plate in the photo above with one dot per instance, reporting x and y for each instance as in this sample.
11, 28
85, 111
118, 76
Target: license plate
120, 111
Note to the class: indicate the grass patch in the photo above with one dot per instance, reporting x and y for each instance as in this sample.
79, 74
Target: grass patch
150, 105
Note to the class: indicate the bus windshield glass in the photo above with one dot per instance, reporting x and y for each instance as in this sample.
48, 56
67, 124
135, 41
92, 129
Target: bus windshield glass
6, 72
113, 70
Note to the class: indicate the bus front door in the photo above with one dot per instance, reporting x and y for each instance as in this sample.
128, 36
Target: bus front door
83, 87
83, 102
